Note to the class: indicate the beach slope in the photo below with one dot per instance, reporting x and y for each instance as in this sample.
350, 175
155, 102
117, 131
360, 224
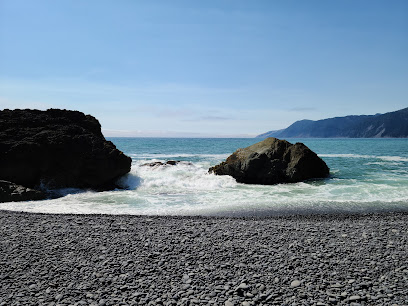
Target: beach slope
132, 260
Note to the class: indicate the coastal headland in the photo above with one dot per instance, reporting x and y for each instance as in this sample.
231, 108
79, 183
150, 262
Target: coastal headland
158, 260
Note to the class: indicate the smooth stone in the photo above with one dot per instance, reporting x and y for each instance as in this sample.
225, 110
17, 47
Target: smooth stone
295, 283
58, 297
185, 278
354, 298
242, 286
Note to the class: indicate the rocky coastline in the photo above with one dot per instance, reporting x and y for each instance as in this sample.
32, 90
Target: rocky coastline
158, 260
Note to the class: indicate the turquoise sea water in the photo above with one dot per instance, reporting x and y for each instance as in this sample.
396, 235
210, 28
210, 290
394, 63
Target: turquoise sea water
367, 175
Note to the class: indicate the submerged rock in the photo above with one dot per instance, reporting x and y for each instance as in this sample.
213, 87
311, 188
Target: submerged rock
273, 161
56, 149
167, 163
10, 192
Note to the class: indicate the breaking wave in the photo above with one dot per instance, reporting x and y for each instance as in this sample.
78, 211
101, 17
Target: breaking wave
379, 183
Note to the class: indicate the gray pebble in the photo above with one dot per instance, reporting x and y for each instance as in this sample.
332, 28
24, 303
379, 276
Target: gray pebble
56, 259
295, 283
354, 298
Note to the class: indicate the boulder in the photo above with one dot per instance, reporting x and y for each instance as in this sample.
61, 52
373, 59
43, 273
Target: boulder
57, 149
10, 192
167, 163
273, 161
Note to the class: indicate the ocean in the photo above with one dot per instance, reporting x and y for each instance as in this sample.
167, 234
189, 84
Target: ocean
367, 175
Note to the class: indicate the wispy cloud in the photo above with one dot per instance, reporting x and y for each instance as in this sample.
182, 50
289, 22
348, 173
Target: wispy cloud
189, 114
209, 118
215, 118
161, 110
84, 86
171, 134
303, 109
173, 113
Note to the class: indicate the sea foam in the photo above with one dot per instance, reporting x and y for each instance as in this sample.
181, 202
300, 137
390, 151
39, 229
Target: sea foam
385, 158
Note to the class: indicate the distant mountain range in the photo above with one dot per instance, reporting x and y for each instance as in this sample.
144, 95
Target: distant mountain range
388, 125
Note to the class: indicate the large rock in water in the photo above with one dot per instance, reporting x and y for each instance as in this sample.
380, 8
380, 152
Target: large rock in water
273, 161
57, 148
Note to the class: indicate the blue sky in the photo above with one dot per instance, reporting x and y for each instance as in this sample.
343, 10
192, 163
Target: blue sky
204, 68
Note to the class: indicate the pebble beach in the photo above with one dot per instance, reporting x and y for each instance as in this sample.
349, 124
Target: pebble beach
57, 259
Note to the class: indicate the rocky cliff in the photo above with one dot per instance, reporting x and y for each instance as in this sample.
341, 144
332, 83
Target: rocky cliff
57, 148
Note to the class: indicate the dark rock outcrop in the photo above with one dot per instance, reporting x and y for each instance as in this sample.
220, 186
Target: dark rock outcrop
273, 161
56, 149
167, 163
10, 192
